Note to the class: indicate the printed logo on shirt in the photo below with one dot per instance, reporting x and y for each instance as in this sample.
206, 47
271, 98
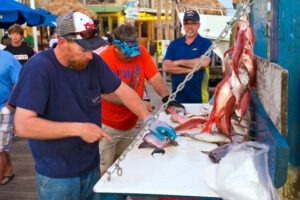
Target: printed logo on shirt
96, 100
131, 76
194, 49
21, 57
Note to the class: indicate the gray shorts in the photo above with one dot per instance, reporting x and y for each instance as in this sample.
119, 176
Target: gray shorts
108, 150
6, 131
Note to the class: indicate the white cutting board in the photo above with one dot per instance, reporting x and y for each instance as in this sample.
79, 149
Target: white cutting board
177, 172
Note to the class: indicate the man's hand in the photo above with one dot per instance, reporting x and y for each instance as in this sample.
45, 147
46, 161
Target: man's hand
92, 133
175, 104
161, 129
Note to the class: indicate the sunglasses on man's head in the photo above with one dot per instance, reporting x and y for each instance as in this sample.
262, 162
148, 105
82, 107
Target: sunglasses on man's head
87, 34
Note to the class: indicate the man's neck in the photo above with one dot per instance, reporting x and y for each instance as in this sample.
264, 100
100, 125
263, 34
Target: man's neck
189, 40
16, 44
61, 56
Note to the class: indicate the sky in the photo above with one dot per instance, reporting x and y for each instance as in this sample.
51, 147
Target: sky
226, 3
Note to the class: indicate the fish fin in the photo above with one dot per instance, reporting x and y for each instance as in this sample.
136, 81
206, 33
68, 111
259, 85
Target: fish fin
145, 145
244, 104
158, 150
208, 126
205, 152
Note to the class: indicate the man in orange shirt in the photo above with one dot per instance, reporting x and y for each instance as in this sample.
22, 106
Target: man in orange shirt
133, 64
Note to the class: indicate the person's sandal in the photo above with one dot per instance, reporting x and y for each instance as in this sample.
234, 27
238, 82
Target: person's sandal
7, 179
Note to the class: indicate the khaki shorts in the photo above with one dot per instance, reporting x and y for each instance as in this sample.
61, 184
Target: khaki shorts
108, 150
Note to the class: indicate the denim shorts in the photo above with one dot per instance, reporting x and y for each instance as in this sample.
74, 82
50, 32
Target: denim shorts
75, 188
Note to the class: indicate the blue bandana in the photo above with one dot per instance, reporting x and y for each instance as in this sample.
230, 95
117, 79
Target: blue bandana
130, 48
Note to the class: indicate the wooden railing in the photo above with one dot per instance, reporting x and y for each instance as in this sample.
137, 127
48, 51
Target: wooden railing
201, 9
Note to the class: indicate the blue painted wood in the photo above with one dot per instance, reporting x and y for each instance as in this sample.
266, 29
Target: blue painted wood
267, 133
287, 20
259, 21
274, 31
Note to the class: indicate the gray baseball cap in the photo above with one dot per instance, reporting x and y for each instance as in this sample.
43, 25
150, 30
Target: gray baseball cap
80, 28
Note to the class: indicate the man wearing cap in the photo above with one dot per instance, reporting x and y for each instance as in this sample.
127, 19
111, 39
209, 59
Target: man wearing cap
58, 108
182, 55
133, 64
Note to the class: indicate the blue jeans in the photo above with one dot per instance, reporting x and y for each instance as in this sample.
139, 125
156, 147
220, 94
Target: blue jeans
76, 188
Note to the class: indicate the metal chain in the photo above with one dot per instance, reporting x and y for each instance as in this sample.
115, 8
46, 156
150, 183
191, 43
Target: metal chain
241, 11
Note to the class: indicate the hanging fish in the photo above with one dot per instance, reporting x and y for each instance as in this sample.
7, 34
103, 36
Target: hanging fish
150, 141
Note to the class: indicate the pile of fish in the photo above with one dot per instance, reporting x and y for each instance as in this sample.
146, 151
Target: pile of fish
151, 141
190, 126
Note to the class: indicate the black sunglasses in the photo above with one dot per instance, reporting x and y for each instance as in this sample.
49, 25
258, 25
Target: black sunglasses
87, 34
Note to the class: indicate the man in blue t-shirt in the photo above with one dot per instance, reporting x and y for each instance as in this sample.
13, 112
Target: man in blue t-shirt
58, 107
9, 74
182, 55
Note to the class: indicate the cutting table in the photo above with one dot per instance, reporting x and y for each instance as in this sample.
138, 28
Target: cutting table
178, 172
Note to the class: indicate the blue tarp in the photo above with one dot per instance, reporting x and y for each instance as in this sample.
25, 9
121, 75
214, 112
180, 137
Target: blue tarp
12, 12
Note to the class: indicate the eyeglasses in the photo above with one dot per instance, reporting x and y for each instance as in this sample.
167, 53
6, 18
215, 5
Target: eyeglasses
191, 24
87, 34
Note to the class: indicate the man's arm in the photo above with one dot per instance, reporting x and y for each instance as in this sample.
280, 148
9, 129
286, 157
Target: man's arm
184, 66
112, 98
190, 63
170, 67
159, 85
29, 125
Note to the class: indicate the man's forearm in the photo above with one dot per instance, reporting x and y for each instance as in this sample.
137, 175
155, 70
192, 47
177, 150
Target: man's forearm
29, 125
184, 66
159, 85
170, 67
112, 98
191, 63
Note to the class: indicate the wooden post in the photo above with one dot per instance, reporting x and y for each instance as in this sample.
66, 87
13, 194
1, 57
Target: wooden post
173, 16
159, 26
167, 22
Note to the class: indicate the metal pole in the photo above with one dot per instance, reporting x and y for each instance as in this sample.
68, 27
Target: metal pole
36, 48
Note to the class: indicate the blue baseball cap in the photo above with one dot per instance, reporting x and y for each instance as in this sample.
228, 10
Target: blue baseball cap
191, 15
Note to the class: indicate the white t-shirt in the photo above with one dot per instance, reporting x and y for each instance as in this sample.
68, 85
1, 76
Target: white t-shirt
52, 42
2, 46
